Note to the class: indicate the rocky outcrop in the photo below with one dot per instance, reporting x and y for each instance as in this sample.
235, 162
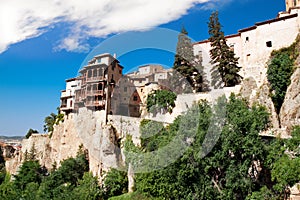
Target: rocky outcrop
248, 88
87, 128
295, 192
290, 110
261, 96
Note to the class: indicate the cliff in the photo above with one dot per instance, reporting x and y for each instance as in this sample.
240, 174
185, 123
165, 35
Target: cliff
86, 128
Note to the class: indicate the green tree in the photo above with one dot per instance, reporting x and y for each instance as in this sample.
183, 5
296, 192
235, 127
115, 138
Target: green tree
189, 67
225, 63
88, 188
49, 122
279, 72
29, 172
65, 178
161, 100
115, 183
224, 172
8, 190
30, 132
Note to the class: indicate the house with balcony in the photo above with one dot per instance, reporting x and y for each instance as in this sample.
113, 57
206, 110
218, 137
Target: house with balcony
95, 85
129, 98
67, 98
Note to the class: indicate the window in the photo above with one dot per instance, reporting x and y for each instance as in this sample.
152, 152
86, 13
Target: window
89, 73
248, 56
247, 39
269, 44
125, 89
100, 86
231, 47
135, 98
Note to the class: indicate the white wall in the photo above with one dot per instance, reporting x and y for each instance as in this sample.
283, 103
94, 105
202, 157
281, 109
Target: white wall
254, 54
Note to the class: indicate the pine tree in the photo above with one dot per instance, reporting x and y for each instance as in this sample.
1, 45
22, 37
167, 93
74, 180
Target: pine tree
225, 63
187, 65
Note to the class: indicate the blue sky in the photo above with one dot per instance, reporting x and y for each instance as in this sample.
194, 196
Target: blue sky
37, 55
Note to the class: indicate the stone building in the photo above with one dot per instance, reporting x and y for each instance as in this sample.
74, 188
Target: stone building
67, 98
253, 45
131, 93
94, 86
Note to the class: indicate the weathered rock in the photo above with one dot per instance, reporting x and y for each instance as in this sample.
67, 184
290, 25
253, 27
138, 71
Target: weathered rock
290, 110
261, 96
295, 192
86, 128
248, 88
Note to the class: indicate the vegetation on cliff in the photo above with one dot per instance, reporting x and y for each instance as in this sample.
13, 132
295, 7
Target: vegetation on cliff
70, 181
161, 100
280, 70
241, 165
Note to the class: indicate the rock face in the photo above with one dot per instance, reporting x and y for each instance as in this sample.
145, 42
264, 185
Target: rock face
101, 140
290, 110
261, 96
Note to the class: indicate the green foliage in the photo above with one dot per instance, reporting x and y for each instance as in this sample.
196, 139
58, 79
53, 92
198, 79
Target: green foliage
188, 66
133, 196
279, 72
67, 182
51, 120
286, 172
226, 64
30, 132
224, 172
161, 99
2, 167
29, 172
115, 183
88, 188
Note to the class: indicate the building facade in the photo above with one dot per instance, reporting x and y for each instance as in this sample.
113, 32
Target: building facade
129, 98
94, 86
67, 99
253, 45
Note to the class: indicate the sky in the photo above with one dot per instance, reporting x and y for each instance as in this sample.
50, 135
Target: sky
43, 43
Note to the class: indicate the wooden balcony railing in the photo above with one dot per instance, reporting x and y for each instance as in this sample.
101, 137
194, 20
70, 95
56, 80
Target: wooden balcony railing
95, 103
97, 78
95, 92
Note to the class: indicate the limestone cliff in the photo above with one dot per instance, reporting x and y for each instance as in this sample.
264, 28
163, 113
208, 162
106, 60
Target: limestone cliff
261, 95
290, 110
101, 140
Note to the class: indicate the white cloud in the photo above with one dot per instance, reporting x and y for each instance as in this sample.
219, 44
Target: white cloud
23, 19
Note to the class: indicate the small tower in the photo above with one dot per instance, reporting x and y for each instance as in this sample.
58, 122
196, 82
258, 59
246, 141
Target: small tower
291, 4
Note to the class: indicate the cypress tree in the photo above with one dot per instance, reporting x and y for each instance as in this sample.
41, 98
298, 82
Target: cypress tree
186, 63
225, 63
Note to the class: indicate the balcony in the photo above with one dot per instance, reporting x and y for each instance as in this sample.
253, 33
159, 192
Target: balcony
95, 93
95, 103
66, 94
93, 79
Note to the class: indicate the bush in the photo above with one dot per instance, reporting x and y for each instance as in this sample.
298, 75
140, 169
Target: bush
161, 99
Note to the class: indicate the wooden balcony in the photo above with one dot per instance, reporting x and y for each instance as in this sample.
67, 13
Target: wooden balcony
93, 79
95, 93
95, 103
